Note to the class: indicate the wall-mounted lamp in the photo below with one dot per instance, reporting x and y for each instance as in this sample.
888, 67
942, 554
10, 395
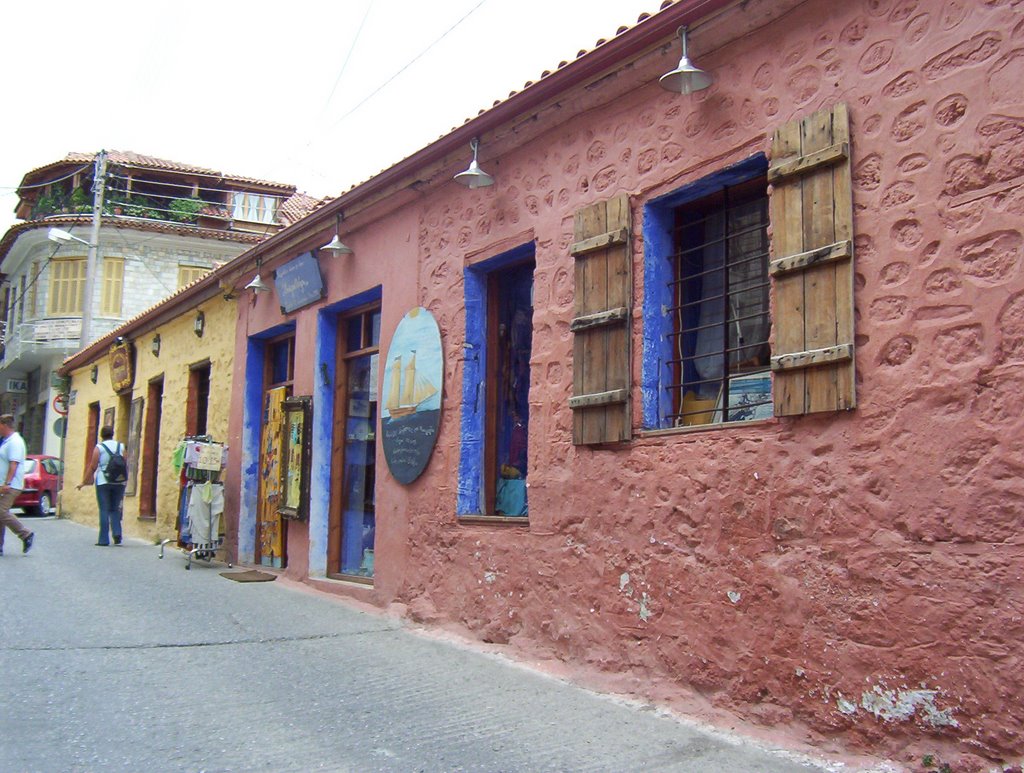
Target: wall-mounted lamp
94, 374
474, 176
154, 345
258, 286
199, 324
336, 246
686, 78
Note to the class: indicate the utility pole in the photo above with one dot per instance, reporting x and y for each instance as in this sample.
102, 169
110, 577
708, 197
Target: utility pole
99, 181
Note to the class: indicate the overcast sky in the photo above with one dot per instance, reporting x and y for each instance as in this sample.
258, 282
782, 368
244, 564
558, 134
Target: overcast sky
319, 94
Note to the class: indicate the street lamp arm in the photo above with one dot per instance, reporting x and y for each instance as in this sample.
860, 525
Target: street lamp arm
61, 236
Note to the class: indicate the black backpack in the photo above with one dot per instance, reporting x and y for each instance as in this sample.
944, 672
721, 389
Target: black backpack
116, 469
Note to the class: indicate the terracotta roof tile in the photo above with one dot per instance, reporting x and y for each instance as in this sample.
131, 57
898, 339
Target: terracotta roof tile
297, 206
140, 161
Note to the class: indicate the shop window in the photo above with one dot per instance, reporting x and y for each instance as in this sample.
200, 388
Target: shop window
718, 320
353, 518
280, 363
496, 386
67, 286
709, 282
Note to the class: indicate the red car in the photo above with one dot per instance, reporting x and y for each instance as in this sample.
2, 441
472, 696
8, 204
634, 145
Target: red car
42, 482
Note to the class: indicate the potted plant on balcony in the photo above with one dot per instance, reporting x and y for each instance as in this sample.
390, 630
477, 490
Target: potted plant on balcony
186, 210
80, 201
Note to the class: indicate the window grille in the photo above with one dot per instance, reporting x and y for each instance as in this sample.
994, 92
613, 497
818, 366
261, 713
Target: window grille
720, 322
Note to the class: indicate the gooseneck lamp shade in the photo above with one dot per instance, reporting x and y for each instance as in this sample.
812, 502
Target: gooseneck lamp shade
474, 177
337, 247
687, 77
257, 285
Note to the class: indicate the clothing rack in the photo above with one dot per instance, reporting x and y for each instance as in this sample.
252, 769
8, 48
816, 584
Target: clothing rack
201, 498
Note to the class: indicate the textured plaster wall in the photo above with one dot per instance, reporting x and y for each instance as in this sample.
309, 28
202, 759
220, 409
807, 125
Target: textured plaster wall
854, 574
384, 266
855, 577
179, 349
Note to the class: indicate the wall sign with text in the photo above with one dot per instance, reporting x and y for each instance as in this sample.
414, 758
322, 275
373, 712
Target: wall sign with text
298, 283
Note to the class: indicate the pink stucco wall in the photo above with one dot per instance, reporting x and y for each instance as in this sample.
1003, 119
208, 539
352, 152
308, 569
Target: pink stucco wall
854, 576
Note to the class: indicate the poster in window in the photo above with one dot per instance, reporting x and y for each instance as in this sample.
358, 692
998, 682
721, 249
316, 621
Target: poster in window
133, 445
411, 395
294, 501
750, 397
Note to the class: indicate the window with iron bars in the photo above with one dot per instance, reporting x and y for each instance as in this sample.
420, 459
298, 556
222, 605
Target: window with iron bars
720, 298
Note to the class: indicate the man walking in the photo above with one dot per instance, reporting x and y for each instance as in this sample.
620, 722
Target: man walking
12, 475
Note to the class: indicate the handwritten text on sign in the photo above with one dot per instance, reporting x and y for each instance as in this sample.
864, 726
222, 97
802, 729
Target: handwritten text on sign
298, 282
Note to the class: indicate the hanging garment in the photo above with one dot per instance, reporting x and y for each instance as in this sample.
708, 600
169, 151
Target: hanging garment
204, 514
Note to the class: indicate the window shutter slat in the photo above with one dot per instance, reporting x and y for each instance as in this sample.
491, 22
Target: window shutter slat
812, 237
603, 280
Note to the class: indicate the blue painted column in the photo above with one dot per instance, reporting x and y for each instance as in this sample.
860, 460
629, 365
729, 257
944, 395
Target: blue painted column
252, 423
324, 363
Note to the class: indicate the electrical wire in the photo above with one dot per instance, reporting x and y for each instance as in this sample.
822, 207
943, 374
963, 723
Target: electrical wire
411, 62
13, 303
344, 65
43, 185
190, 188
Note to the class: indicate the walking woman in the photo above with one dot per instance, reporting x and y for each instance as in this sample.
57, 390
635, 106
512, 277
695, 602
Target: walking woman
109, 493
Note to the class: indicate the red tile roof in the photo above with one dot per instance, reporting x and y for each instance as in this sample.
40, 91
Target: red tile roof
139, 161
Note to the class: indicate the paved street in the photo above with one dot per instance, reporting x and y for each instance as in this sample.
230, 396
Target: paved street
115, 661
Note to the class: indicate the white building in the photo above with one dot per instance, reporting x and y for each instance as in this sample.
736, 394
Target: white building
162, 226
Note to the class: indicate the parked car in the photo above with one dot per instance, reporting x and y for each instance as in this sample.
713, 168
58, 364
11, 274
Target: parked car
42, 482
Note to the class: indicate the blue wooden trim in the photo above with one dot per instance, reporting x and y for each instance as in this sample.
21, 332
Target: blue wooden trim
252, 415
659, 219
324, 366
469, 500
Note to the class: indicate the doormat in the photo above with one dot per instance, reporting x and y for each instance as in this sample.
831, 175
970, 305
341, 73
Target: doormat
251, 576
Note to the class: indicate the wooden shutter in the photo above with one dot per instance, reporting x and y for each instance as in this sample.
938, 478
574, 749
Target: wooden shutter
601, 326
113, 281
812, 266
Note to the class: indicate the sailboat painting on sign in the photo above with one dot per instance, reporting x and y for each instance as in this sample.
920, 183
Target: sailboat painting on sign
411, 395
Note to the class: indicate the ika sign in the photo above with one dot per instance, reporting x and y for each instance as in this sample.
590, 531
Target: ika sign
17, 386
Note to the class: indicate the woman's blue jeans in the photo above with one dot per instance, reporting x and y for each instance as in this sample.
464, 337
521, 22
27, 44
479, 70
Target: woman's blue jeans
109, 496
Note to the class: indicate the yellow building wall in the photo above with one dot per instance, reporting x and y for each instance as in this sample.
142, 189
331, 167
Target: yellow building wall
180, 350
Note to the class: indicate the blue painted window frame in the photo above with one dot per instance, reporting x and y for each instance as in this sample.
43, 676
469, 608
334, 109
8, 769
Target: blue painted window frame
659, 219
469, 500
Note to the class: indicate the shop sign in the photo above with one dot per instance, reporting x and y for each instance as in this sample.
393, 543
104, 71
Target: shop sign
17, 385
298, 283
411, 395
122, 366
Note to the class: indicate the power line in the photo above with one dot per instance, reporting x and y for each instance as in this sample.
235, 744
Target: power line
43, 185
348, 56
187, 187
411, 62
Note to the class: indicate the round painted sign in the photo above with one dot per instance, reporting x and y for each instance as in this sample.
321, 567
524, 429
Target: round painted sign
411, 395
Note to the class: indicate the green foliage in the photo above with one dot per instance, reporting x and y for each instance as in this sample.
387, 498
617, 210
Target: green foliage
80, 201
140, 206
185, 210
